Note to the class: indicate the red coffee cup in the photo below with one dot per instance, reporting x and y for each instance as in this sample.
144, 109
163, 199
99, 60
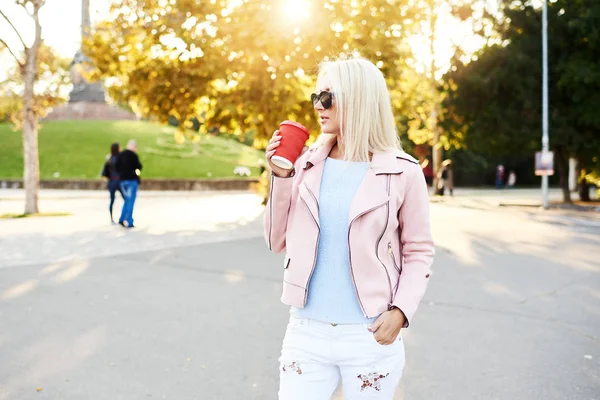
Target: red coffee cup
293, 137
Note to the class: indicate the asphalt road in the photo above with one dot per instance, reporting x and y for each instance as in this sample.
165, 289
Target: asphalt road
187, 306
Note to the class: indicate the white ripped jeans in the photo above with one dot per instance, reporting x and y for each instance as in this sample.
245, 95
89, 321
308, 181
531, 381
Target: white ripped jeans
316, 355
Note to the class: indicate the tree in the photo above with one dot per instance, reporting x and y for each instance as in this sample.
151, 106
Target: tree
578, 81
494, 102
161, 58
275, 64
31, 175
243, 66
430, 23
49, 91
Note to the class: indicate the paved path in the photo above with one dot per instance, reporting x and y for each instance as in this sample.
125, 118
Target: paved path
187, 306
162, 219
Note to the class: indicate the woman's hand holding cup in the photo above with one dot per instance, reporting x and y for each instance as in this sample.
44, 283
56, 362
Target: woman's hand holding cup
270, 152
292, 137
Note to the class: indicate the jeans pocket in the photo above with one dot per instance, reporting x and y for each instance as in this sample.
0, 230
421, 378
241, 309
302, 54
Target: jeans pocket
296, 323
394, 343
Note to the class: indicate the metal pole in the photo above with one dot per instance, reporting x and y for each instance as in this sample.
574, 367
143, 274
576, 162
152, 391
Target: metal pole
545, 145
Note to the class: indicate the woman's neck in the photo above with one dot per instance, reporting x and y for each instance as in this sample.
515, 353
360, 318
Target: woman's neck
337, 151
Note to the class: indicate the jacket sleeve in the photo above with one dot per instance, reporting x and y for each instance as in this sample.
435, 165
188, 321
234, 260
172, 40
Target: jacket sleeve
276, 213
105, 173
278, 206
417, 246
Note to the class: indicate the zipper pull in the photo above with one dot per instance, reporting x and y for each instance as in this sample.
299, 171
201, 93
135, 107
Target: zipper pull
390, 248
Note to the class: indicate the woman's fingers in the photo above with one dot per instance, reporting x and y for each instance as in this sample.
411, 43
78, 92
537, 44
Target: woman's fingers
272, 146
270, 154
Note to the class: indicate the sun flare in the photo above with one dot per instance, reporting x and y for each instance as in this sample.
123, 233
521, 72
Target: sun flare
296, 10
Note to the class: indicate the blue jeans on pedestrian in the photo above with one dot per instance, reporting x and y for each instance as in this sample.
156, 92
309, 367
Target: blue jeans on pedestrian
129, 189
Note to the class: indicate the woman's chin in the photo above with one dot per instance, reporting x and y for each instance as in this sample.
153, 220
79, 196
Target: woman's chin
329, 131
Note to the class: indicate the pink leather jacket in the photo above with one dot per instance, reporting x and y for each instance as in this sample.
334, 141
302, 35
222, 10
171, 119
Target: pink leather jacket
389, 238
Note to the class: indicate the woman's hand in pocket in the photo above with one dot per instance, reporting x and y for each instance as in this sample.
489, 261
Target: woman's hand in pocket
387, 327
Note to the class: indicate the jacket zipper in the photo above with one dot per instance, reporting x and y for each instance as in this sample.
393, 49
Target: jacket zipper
271, 211
313, 196
316, 243
381, 236
350, 257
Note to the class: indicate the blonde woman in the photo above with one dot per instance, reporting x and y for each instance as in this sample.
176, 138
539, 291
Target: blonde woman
353, 219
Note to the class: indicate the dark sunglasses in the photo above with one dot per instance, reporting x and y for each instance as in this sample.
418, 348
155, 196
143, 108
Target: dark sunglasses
326, 99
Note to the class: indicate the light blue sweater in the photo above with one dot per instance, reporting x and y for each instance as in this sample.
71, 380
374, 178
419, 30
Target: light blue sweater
331, 294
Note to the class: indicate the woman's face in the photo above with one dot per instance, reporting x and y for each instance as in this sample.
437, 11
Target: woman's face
327, 117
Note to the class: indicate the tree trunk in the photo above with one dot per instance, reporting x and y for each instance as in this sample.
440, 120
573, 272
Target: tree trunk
563, 171
31, 173
436, 148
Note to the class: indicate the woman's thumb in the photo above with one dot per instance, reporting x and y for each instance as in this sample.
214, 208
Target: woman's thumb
376, 325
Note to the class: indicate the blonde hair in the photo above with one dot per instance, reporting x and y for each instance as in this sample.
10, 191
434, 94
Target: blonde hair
363, 106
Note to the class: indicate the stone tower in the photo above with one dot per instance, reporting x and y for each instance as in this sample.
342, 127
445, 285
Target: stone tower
82, 89
87, 100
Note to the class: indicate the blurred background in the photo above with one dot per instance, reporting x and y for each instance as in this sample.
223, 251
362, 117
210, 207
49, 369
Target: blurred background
186, 306
465, 79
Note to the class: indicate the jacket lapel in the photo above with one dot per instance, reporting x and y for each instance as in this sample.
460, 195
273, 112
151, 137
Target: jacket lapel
371, 194
373, 190
309, 189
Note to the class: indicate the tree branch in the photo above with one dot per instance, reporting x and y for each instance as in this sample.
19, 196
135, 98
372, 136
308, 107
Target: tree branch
11, 52
15, 29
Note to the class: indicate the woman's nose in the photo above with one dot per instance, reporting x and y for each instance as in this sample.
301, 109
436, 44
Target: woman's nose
318, 106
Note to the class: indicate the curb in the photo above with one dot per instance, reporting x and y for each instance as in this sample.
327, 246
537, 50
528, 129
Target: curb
236, 184
533, 205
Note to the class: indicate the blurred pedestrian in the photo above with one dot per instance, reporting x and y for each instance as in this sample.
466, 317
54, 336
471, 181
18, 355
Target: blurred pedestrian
428, 172
129, 168
445, 179
353, 217
512, 180
500, 177
111, 174
448, 176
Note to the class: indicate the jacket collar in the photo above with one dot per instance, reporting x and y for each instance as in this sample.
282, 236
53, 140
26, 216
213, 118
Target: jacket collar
381, 163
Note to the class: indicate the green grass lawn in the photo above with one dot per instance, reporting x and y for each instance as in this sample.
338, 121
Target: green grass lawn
77, 149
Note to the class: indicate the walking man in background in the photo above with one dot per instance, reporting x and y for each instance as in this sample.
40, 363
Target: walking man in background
129, 168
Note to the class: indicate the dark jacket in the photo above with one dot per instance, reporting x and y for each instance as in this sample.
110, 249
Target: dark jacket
110, 169
127, 163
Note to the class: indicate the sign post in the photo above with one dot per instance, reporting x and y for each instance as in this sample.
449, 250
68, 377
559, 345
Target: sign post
545, 145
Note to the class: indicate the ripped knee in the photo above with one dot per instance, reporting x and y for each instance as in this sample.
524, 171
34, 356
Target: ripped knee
371, 380
292, 367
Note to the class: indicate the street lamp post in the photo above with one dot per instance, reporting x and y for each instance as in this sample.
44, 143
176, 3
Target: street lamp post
545, 145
